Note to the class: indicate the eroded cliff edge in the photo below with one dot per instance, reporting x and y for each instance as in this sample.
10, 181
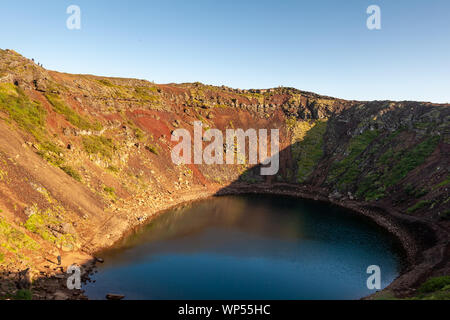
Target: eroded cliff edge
84, 159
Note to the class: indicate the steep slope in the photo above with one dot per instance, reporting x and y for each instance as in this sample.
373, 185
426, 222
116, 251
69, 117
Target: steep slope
83, 159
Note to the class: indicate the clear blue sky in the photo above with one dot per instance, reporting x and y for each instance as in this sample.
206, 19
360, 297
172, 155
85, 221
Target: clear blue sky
321, 45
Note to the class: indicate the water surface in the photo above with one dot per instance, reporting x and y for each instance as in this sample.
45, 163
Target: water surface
248, 247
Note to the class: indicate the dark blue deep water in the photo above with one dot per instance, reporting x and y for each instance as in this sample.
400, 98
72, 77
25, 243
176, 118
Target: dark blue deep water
248, 247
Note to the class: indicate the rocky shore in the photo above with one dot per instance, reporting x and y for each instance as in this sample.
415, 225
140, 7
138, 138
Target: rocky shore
423, 256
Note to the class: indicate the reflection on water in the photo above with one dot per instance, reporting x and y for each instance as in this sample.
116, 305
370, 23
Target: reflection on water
252, 247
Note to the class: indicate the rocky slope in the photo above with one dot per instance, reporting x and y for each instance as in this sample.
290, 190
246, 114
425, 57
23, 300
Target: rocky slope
84, 159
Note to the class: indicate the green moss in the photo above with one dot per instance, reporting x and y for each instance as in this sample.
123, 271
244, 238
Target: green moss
141, 93
23, 294
253, 95
417, 193
113, 169
309, 151
443, 294
390, 168
3, 174
109, 190
291, 123
51, 153
219, 105
35, 223
14, 240
371, 188
347, 170
138, 133
152, 149
146, 94
434, 284
409, 189
409, 160
44, 222
419, 205
105, 82
248, 177
443, 183
29, 115
71, 172
71, 115
436, 288
424, 125
99, 145
387, 157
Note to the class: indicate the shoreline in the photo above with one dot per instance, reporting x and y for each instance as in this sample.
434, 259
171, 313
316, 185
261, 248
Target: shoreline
408, 230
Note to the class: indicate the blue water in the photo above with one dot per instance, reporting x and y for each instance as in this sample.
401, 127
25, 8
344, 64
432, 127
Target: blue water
248, 247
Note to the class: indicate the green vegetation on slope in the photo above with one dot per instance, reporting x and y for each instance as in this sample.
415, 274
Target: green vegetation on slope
23, 294
152, 149
99, 145
309, 151
146, 94
347, 170
393, 166
13, 240
71, 172
72, 116
419, 205
410, 159
141, 93
444, 183
437, 288
46, 223
51, 153
31, 117
415, 192
106, 82
372, 172
110, 193
138, 133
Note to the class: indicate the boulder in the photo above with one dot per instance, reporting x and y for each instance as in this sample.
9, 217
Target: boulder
29, 211
59, 295
112, 296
